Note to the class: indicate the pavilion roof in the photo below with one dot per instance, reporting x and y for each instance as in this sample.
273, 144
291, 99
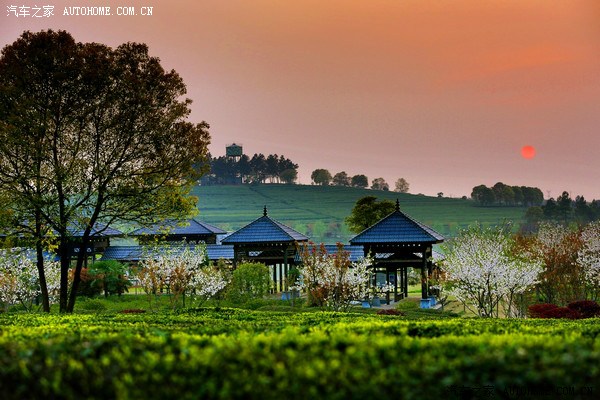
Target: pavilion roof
264, 230
175, 228
397, 228
98, 230
135, 253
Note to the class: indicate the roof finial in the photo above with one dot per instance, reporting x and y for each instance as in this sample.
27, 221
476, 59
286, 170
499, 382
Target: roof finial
265, 211
397, 205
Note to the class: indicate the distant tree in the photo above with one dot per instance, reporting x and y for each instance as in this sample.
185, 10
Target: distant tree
341, 179
289, 176
379, 184
368, 211
258, 166
360, 181
440, 194
321, 177
483, 195
401, 186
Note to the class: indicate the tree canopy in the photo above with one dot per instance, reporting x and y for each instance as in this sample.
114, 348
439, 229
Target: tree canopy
92, 134
321, 177
367, 211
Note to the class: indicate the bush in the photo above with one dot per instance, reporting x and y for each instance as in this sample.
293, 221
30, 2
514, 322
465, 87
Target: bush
586, 308
250, 281
389, 312
88, 286
96, 305
541, 310
562, 312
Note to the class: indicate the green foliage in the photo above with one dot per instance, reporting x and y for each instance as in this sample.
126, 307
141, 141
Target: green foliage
95, 305
110, 277
321, 177
250, 281
367, 211
230, 353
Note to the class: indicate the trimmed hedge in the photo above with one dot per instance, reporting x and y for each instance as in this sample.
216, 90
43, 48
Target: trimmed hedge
243, 354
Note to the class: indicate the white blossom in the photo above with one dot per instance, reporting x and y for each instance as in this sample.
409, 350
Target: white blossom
483, 271
19, 277
589, 254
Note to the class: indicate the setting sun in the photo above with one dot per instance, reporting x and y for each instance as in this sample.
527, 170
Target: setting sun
528, 152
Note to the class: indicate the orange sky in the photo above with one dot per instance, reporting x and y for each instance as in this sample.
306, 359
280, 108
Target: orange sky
441, 92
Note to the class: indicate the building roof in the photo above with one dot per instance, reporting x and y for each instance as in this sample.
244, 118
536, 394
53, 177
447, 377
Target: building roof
264, 230
175, 228
134, 253
98, 230
397, 228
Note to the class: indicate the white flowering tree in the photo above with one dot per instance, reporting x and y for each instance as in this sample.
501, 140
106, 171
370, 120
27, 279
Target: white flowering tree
563, 276
19, 278
332, 281
589, 258
181, 268
485, 271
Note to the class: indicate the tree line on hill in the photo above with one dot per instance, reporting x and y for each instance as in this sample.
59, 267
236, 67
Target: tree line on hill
506, 195
564, 210
258, 169
323, 177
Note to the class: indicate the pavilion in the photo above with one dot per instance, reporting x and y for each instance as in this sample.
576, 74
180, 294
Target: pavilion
267, 241
398, 242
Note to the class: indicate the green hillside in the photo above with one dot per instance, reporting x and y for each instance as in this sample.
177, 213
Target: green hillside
319, 212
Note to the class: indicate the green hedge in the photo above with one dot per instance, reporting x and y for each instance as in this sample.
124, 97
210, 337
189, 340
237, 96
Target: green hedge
243, 354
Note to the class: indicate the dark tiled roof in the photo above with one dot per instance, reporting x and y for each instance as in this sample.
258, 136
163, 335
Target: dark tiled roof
356, 252
134, 253
190, 227
397, 228
264, 230
98, 230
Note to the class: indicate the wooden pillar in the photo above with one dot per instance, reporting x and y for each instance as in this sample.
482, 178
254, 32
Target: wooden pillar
286, 269
424, 281
280, 277
396, 286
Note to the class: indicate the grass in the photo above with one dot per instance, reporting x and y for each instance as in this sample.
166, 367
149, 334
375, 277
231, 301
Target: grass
319, 212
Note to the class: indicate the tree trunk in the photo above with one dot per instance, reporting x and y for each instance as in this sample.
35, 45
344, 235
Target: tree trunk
42, 275
63, 252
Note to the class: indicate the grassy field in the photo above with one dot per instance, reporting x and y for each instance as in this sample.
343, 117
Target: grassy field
319, 212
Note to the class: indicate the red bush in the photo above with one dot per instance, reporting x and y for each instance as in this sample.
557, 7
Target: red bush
562, 312
541, 310
586, 308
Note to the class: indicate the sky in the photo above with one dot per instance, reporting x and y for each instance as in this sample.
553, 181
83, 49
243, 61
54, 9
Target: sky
443, 93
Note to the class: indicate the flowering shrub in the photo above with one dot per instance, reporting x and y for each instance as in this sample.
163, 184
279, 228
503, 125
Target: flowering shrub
589, 258
485, 270
181, 268
331, 280
19, 278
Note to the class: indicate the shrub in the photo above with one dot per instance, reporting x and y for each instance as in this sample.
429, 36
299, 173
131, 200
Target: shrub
96, 305
109, 276
389, 312
586, 308
562, 312
89, 285
541, 310
250, 281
